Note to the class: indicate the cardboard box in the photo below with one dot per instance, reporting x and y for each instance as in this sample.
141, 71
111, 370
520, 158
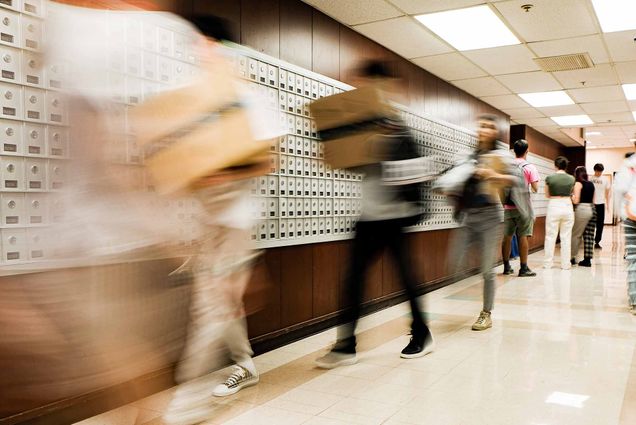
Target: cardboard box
335, 117
195, 131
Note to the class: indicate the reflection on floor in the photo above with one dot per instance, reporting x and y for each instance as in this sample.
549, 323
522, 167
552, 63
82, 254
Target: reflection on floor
561, 351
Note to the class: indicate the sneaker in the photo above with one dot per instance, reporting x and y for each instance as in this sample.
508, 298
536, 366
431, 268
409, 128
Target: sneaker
585, 263
508, 270
597, 246
526, 273
334, 359
573, 261
483, 322
566, 267
418, 347
238, 379
632, 310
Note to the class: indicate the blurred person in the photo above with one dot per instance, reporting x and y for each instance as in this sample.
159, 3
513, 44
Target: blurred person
601, 201
223, 264
584, 212
560, 216
480, 206
386, 213
516, 223
625, 205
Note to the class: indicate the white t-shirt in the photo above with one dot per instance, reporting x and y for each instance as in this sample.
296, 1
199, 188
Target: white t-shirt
600, 186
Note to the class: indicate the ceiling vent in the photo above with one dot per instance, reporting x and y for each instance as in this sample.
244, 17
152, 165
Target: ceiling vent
565, 62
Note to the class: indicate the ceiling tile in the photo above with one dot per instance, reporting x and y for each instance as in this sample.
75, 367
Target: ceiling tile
601, 75
504, 60
605, 107
597, 94
538, 122
485, 86
558, 111
632, 105
592, 44
548, 19
621, 45
451, 66
354, 12
521, 113
507, 101
414, 7
616, 117
392, 33
626, 71
530, 82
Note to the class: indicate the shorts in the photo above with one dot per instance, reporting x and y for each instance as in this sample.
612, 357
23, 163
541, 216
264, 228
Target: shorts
514, 222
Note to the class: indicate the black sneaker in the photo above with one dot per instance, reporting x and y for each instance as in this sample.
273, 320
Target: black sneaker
597, 246
508, 270
526, 273
573, 261
418, 347
585, 263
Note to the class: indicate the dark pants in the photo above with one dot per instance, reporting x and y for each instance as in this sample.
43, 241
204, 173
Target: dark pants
600, 221
371, 238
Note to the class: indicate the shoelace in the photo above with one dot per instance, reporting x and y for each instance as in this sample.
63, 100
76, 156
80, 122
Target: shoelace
482, 319
238, 375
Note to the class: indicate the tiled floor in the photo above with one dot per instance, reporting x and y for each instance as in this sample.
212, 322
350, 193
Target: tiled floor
561, 351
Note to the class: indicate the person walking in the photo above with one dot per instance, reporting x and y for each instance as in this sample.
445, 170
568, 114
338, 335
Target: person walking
480, 206
516, 223
582, 198
601, 201
560, 216
386, 212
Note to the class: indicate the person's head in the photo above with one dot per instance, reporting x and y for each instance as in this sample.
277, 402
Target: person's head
374, 71
521, 148
487, 131
561, 163
598, 169
213, 27
580, 174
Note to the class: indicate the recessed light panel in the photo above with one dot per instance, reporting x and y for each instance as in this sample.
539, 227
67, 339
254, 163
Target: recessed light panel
630, 91
615, 15
572, 120
547, 98
469, 29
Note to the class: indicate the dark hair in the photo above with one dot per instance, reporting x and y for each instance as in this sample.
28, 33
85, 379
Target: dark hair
628, 154
374, 68
520, 147
214, 27
580, 174
561, 162
598, 167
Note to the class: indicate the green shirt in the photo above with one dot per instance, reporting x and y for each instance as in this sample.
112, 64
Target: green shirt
560, 184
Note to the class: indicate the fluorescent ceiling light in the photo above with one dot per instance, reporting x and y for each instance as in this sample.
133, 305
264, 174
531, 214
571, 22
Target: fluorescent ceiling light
630, 91
572, 120
567, 399
615, 15
547, 98
469, 29
593, 133
634, 114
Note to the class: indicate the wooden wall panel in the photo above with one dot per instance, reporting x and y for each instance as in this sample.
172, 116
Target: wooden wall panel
326, 273
263, 299
326, 35
296, 284
260, 25
296, 33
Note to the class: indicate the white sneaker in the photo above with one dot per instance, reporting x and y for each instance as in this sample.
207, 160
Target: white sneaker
547, 266
568, 267
334, 359
238, 379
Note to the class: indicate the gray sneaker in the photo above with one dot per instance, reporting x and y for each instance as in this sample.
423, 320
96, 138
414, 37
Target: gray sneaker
483, 322
632, 309
238, 379
334, 359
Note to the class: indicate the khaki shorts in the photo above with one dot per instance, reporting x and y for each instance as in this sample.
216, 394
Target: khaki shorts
515, 223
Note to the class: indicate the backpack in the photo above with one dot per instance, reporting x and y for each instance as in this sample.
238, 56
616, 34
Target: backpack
518, 195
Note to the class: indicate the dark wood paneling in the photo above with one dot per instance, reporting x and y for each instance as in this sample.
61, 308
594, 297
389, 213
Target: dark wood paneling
541, 144
576, 156
296, 284
260, 26
296, 33
326, 287
326, 35
263, 299
352, 52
